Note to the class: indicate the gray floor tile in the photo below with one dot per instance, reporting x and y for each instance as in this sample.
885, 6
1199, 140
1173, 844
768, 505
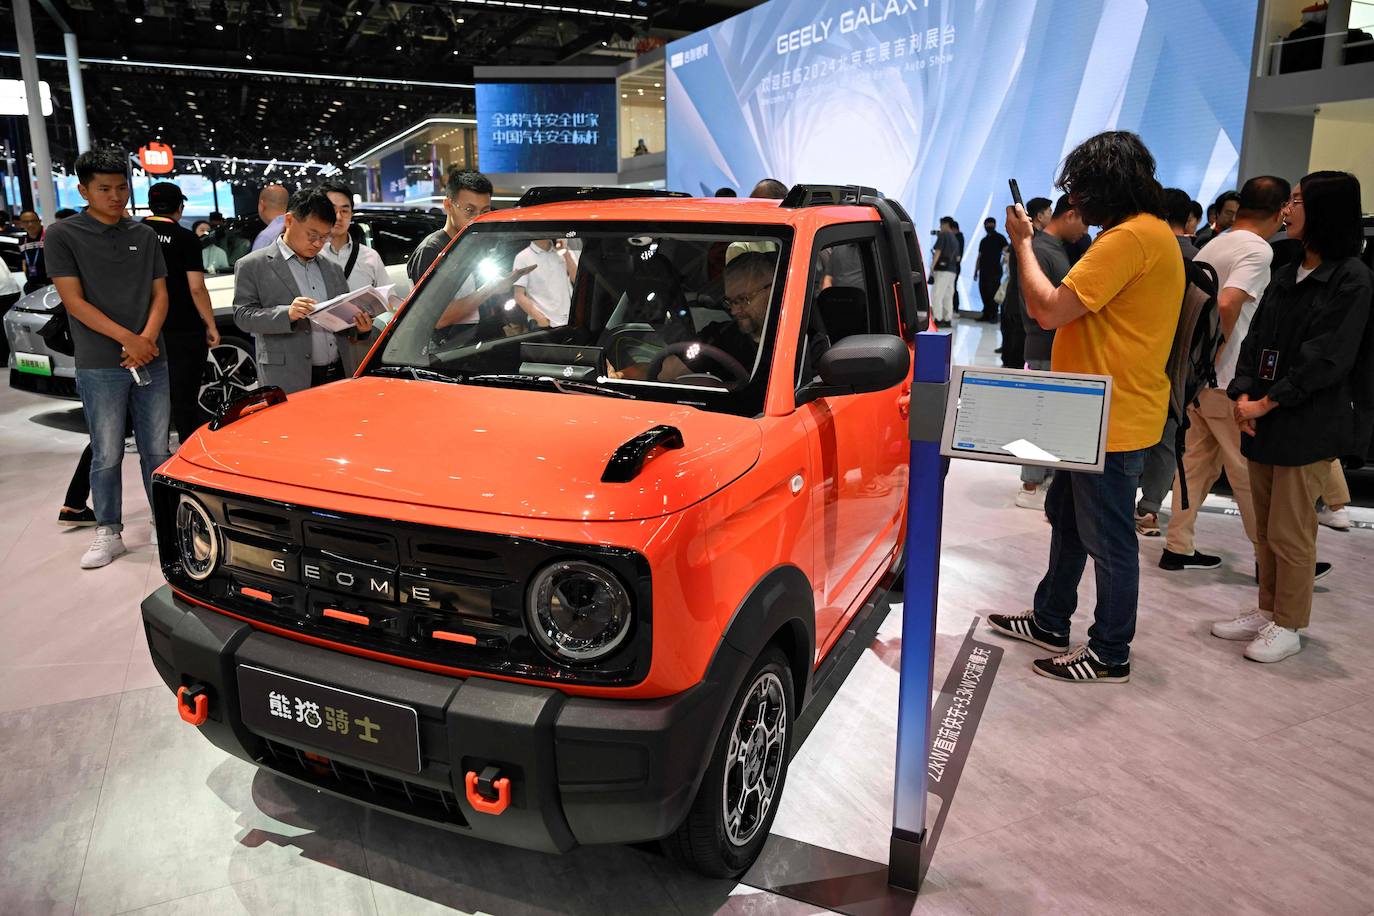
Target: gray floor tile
43, 842
311, 890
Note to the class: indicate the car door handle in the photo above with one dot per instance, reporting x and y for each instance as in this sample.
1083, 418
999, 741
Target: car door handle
904, 406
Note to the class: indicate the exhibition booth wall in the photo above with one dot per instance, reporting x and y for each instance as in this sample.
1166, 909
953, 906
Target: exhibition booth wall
938, 103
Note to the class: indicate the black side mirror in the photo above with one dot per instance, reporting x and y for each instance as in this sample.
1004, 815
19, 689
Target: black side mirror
862, 363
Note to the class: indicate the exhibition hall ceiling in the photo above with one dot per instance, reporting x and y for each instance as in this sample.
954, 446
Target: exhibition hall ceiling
205, 104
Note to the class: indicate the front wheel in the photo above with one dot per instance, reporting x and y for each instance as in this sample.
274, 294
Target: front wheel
739, 795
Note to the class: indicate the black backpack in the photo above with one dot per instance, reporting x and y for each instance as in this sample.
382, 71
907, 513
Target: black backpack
1192, 362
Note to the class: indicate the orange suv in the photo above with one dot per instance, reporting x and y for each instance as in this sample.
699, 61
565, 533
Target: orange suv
564, 561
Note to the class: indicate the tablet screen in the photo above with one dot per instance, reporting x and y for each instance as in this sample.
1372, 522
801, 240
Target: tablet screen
1028, 417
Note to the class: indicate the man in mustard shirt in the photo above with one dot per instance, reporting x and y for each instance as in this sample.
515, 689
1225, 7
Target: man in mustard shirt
1115, 314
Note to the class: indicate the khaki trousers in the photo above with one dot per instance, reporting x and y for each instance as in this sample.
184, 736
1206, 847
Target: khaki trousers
1335, 494
1286, 548
1211, 443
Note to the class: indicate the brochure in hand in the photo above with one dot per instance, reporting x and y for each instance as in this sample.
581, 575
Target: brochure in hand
338, 314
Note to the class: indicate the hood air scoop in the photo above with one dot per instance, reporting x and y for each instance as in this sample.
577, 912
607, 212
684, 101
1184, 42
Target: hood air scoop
629, 459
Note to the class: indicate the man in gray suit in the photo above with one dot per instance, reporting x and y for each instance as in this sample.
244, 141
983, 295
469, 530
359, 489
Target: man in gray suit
276, 287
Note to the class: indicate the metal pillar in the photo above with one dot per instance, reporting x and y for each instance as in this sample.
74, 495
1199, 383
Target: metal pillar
38, 130
926, 487
78, 90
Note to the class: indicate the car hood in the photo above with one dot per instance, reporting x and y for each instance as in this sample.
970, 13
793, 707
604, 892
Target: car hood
516, 452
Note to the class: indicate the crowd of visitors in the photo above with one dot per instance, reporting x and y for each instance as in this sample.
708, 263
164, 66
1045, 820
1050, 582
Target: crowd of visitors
1291, 395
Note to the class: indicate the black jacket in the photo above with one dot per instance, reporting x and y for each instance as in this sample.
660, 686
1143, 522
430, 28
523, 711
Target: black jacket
1323, 377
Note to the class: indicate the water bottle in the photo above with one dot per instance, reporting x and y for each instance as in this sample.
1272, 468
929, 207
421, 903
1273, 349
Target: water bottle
141, 375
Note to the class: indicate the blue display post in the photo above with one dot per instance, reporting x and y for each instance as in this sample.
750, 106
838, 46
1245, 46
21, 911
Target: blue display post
926, 494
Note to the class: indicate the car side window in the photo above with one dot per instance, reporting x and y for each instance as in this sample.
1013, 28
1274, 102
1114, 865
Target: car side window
394, 239
846, 299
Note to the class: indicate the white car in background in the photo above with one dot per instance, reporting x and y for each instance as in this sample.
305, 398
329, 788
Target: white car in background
230, 369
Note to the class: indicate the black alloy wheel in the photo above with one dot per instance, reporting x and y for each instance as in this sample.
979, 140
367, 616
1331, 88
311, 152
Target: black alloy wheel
231, 371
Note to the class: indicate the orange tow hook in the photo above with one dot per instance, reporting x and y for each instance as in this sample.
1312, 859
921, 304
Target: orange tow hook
193, 703
489, 781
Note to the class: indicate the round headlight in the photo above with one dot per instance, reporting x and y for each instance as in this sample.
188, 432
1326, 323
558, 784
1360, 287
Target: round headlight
196, 542
578, 611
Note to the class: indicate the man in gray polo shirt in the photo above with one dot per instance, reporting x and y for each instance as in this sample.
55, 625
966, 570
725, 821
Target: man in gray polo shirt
109, 272
1052, 254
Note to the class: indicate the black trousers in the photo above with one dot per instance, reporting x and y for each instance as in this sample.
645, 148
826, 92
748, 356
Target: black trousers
186, 355
323, 375
1013, 334
987, 290
5, 303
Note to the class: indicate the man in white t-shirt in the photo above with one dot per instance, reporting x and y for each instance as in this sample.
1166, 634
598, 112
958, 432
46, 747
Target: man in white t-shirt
545, 293
1241, 258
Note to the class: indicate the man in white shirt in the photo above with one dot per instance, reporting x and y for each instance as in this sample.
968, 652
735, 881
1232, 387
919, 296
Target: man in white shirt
545, 293
361, 263
1241, 258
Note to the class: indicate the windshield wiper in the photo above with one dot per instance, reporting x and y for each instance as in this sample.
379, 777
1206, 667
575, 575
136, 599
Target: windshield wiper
415, 372
547, 381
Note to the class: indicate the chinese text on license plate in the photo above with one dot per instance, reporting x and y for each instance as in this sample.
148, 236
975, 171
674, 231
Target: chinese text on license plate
335, 721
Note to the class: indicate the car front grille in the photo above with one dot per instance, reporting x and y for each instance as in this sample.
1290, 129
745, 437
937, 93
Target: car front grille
439, 596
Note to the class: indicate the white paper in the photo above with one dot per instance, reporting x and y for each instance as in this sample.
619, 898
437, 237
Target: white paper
337, 314
1029, 451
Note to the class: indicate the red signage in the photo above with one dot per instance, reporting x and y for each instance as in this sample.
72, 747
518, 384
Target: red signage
156, 158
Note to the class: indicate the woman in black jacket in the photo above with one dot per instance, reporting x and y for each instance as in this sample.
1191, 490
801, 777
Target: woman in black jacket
1302, 393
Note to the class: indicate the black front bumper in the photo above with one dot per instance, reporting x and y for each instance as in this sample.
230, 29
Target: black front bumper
582, 771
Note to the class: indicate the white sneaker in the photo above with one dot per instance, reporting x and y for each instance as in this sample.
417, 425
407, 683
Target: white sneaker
1031, 499
107, 545
1334, 518
1273, 644
1246, 626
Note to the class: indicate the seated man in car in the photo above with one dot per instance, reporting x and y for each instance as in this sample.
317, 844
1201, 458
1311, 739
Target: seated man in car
748, 291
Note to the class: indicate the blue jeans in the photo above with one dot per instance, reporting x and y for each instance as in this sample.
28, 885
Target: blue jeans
109, 396
1092, 515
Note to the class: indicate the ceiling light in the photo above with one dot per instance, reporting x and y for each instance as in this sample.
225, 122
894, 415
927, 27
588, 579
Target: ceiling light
138, 19
398, 47
247, 57
219, 27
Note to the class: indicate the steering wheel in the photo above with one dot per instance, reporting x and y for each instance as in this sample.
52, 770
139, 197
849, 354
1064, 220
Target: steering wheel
738, 374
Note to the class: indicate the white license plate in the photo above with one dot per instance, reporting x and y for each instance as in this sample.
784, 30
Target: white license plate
33, 362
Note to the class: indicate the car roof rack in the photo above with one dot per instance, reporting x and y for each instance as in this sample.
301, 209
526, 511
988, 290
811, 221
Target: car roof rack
549, 194
826, 195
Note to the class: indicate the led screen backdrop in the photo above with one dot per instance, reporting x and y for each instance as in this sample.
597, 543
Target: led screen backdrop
939, 102
546, 127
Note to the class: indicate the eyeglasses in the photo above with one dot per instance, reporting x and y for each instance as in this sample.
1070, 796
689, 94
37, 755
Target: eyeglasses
731, 302
470, 211
1295, 200
316, 238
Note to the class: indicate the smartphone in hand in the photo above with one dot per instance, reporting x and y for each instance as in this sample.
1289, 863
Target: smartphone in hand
1016, 193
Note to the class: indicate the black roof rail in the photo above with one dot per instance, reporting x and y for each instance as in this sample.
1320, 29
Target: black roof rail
550, 194
826, 195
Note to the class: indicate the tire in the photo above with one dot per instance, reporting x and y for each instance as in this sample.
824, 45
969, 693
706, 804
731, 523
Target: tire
730, 818
231, 371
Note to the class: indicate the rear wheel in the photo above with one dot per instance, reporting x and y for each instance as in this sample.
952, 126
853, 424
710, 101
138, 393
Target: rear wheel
230, 373
734, 808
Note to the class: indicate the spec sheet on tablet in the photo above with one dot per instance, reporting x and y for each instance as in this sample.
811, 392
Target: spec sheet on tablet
1050, 419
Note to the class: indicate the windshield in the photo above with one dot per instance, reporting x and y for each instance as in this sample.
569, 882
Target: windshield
680, 313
